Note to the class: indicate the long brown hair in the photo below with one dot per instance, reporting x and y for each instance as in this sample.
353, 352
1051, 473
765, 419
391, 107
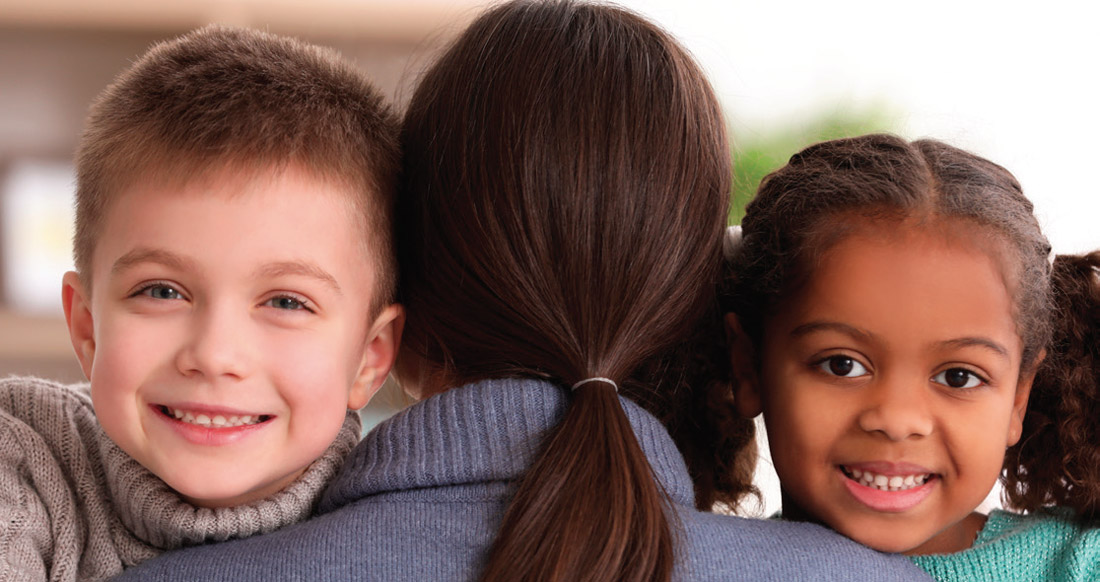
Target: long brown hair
564, 193
795, 217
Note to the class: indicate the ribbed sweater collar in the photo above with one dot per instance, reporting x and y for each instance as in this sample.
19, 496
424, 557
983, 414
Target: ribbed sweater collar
482, 432
158, 516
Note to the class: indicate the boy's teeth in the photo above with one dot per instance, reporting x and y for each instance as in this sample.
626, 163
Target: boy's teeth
217, 421
887, 483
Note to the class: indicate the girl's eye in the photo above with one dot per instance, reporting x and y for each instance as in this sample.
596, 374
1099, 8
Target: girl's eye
288, 303
161, 292
842, 366
958, 378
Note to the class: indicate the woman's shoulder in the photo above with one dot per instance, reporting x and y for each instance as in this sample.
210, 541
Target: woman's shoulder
724, 547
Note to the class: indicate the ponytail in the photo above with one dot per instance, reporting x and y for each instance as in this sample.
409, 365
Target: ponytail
589, 507
1057, 461
564, 192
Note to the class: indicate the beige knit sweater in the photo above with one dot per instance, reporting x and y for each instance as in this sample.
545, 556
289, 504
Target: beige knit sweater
73, 506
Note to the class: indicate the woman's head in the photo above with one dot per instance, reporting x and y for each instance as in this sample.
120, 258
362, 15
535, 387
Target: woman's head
565, 181
894, 301
565, 188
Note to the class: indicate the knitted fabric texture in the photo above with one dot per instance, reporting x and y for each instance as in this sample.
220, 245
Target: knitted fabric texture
421, 498
1047, 545
73, 506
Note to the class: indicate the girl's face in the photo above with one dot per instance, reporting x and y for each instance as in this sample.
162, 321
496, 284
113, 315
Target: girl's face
890, 388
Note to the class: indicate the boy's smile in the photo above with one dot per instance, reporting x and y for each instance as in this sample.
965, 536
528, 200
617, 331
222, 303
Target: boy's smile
889, 385
228, 328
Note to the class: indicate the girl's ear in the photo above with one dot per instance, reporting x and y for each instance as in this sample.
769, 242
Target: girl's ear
1019, 403
378, 357
746, 384
78, 317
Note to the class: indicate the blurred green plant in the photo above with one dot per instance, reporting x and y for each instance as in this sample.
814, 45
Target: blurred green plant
758, 155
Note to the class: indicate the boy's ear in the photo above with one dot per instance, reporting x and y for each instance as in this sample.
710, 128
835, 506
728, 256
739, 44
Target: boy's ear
78, 317
381, 350
746, 384
1019, 402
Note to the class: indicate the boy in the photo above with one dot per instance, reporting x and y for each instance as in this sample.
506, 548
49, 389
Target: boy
233, 299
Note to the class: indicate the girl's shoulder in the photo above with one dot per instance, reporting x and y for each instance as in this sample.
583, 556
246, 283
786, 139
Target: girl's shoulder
1050, 544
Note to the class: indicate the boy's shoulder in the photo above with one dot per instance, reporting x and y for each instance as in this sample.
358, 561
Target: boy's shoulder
29, 398
32, 406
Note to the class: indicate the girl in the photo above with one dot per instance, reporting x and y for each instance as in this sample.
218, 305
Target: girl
892, 313
566, 183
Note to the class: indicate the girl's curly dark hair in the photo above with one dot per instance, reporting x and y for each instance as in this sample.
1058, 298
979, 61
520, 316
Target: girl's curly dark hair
1057, 461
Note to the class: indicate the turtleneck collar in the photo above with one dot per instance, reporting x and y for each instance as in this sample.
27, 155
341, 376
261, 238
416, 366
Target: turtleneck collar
159, 517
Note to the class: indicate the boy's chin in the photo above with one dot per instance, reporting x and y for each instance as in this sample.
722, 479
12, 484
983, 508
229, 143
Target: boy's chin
213, 495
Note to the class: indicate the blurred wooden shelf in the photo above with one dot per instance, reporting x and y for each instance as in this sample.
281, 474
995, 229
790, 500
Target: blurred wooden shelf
36, 345
29, 336
385, 20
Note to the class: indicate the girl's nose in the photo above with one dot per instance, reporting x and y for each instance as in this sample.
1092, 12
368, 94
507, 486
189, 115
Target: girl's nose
897, 409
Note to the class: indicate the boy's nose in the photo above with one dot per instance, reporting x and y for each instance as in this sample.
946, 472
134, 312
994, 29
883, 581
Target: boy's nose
216, 347
897, 409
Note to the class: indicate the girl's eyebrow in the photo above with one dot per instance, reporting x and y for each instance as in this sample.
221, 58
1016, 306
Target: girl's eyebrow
962, 342
982, 342
816, 326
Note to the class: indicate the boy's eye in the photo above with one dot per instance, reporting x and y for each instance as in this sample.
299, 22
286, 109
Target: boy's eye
286, 302
842, 366
161, 292
958, 378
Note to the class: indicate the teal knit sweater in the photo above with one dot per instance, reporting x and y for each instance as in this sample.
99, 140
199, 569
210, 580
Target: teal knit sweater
1047, 545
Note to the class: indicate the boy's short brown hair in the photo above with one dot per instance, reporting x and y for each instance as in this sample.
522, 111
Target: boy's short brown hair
239, 99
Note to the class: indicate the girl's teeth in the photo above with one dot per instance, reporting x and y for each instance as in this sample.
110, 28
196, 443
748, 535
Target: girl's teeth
886, 483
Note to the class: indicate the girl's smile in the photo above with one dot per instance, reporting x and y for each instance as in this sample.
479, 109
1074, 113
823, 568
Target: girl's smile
888, 490
889, 386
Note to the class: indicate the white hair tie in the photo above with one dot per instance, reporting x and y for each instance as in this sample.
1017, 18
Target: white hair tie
596, 379
731, 242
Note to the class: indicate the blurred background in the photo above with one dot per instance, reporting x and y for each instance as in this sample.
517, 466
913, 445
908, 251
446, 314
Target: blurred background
1014, 82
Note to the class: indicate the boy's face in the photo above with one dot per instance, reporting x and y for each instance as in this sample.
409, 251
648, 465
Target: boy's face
890, 388
228, 329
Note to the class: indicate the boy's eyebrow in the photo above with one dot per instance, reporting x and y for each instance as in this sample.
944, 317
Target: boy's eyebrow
148, 255
299, 268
